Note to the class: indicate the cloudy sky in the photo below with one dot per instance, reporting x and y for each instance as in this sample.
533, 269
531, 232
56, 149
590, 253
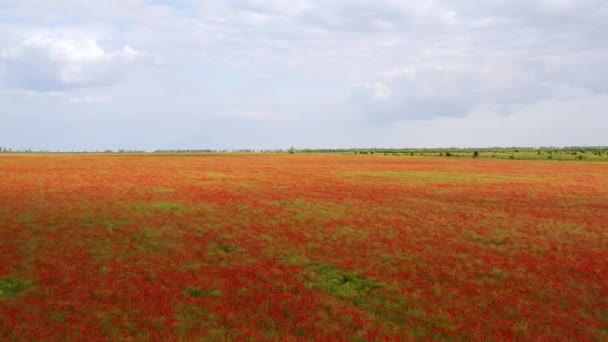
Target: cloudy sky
148, 74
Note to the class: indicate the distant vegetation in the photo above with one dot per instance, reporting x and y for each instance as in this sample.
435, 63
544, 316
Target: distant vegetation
599, 153
589, 153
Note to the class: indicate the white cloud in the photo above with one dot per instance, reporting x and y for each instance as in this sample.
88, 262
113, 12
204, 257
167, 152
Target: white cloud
88, 99
427, 92
260, 115
48, 63
374, 91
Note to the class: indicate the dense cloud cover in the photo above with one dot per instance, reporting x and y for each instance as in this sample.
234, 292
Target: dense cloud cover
261, 74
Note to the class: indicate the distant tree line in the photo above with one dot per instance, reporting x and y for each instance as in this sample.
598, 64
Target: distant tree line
42, 151
581, 149
186, 151
447, 152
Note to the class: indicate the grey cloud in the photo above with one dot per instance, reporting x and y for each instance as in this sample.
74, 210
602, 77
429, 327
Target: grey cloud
428, 92
497, 52
380, 65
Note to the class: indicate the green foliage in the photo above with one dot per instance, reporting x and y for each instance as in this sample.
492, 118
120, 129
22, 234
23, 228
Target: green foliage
227, 249
27, 217
170, 207
201, 293
10, 287
592, 154
341, 284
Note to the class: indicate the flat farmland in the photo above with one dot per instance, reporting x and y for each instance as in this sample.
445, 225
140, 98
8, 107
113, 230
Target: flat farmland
301, 247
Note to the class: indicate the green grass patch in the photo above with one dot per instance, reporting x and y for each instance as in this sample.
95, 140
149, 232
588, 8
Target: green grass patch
379, 300
202, 293
242, 207
341, 284
498, 240
110, 225
334, 281
166, 207
11, 287
27, 217
226, 249
58, 316
169, 207
193, 266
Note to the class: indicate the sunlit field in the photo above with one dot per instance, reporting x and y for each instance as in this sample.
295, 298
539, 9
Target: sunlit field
280, 246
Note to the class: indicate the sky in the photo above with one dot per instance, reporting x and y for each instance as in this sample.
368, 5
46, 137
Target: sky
266, 74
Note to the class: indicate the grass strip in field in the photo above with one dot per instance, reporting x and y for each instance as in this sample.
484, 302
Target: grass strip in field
433, 177
167, 207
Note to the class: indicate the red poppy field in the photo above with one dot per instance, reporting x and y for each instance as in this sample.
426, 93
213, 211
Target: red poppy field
301, 247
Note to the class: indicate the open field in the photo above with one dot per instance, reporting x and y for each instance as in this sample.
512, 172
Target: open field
263, 246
